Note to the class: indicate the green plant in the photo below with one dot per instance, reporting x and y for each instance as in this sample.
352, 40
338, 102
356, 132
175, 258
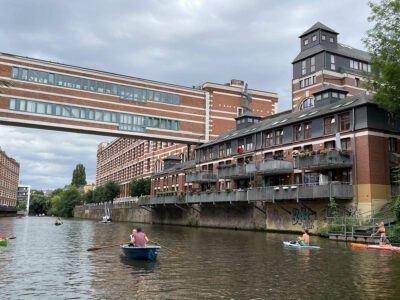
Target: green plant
191, 221
228, 190
323, 231
323, 151
333, 207
208, 191
394, 233
213, 189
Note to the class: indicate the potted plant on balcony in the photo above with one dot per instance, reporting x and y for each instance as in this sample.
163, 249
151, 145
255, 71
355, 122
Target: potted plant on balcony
228, 190
344, 153
323, 151
302, 154
208, 192
311, 154
295, 153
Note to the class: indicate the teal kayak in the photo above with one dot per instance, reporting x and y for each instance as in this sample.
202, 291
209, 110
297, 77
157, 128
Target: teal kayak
298, 245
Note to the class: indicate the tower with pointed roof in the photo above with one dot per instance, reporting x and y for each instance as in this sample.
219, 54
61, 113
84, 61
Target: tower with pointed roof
323, 61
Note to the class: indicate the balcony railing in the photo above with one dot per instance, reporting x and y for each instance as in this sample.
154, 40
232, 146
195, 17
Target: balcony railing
216, 197
330, 160
302, 192
201, 177
270, 167
233, 171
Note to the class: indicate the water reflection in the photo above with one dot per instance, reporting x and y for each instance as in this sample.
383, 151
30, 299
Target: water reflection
136, 266
50, 262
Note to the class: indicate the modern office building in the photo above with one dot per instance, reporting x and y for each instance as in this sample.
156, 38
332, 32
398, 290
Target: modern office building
9, 177
124, 158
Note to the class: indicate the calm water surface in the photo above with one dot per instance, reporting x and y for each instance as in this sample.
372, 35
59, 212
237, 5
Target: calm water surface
51, 262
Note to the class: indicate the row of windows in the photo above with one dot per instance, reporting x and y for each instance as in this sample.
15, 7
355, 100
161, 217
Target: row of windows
360, 66
308, 81
314, 38
125, 92
274, 138
127, 122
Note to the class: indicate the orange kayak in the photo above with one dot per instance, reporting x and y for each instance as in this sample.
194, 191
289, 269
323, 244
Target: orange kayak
375, 247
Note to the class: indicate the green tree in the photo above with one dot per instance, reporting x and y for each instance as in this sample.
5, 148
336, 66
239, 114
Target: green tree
139, 187
88, 197
79, 176
383, 42
70, 198
99, 194
111, 190
39, 203
56, 205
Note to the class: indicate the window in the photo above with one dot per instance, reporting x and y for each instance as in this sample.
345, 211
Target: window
249, 144
329, 145
346, 144
314, 79
333, 65
357, 82
268, 139
314, 38
325, 95
296, 132
393, 145
307, 130
228, 149
329, 125
308, 148
331, 39
313, 64
221, 151
301, 84
344, 121
239, 111
318, 97
305, 42
268, 156
278, 155
210, 153
241, 146
278, 136
307, 103
14, 73
303, 67
323, 37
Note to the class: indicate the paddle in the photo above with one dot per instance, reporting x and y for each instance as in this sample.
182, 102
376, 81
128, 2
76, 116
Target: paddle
172, 250
98, 248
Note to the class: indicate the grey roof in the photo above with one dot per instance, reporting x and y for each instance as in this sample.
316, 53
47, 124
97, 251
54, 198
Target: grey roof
340, 49
179, 167
330, 87
292, 118
317, 26
248, 113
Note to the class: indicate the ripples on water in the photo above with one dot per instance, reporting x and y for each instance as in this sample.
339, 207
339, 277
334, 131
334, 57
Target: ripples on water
51, 262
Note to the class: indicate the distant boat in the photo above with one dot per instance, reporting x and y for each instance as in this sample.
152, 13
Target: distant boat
149, 252
107, 217
57, 223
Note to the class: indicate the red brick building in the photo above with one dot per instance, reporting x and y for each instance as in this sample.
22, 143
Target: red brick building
9, 177
124, 159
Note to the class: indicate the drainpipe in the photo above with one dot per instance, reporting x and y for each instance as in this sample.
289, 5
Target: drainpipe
355, 158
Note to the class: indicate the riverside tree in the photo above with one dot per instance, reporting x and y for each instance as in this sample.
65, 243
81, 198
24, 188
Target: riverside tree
383, 42
79, 176
139, 187
39, 203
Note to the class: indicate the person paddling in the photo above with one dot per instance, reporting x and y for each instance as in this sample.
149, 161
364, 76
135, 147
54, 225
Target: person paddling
304, 240
132, 237
382, 231
140, 239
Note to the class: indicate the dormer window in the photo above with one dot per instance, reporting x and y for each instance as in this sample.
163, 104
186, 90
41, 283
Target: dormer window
314, 38
305, 42
303, 67
323, 37
331, 39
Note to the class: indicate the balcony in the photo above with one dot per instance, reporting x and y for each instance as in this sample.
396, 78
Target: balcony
330, 160
233, 171
221, 197
270, 167
336, 190
201, 177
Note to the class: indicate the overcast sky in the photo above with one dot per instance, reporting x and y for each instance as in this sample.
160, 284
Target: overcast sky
186, 42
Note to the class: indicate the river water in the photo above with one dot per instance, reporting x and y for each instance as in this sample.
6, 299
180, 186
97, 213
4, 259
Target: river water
51, 262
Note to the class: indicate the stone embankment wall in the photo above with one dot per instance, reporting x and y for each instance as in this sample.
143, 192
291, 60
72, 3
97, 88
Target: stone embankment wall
240, 216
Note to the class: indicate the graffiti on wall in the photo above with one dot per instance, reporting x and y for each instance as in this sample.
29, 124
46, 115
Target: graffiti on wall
302, 217
275, 219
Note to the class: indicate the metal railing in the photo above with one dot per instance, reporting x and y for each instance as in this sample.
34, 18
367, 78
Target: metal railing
233, 171
201, 176
270, 167
329, 160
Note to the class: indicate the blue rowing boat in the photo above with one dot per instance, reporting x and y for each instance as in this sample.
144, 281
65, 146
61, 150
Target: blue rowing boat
149, 252
297, 245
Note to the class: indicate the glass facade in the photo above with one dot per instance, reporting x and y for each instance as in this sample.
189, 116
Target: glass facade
125, 92
127, 122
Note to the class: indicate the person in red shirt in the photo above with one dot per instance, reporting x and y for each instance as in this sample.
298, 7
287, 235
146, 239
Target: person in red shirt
140, 239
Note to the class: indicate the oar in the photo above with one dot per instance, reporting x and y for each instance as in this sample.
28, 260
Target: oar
172, 250
98, 248
12, 238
